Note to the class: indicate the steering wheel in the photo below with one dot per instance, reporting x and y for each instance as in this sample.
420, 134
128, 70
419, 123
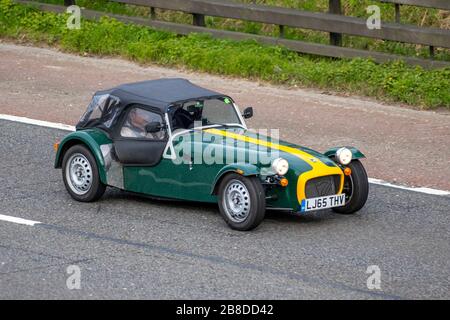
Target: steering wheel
183, 119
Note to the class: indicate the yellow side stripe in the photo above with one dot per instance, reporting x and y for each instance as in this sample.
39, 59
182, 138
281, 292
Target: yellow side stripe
319, 169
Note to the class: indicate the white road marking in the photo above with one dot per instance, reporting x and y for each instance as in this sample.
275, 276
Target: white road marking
37, 122
18, 220
435, 192
66, 127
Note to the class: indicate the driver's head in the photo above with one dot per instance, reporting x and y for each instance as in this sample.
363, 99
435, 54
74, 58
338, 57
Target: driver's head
137, 118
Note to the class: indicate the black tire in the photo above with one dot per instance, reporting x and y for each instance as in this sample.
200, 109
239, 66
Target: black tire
96, 188
356, 187
253, 197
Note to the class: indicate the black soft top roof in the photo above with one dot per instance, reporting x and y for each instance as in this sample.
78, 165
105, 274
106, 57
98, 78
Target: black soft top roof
159, 93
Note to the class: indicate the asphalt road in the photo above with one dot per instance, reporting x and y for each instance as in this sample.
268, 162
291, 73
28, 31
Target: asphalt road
132, 247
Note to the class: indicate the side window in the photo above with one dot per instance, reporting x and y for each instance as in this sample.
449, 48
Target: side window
101, 110
136, 121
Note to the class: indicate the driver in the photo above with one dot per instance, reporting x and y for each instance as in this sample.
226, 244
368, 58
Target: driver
134, 127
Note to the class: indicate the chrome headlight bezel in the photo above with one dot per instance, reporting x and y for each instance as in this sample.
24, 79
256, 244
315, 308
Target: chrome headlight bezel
344, 156
280, 166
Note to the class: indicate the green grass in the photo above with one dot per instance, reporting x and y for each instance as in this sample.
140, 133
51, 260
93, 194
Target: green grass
425, 17
393, 81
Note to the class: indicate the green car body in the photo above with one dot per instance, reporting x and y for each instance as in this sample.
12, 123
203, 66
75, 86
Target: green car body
198, 182
169, 138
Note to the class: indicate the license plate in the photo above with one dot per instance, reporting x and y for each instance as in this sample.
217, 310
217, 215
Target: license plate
321, 203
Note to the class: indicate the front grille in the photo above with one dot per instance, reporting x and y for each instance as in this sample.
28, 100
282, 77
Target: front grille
322, 186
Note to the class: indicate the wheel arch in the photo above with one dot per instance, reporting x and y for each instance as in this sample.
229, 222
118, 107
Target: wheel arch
85, 139
243, 169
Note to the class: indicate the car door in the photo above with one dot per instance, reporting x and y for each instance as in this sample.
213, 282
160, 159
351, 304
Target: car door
133, 145
145, 170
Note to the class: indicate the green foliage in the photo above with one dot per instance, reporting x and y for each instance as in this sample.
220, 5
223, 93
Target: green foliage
425, 17
393, 81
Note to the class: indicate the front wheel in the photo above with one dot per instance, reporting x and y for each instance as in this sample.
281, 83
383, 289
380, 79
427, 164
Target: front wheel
356, 189
80, 174
242, 201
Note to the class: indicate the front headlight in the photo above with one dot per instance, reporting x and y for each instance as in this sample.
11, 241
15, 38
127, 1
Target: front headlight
344, 156
280, 166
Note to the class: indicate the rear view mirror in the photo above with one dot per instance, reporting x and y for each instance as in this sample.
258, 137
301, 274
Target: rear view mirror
153, 127
248, 113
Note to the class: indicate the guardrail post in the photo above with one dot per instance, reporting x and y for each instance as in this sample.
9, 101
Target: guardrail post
397, 13
281, 31
198, 20
68, 3
152, 13
335, 7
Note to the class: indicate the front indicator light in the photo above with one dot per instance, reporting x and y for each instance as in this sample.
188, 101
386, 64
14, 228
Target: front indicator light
284, 182
56, 146
347, 171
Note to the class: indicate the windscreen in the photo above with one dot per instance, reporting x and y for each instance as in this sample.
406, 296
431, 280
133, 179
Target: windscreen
207, 112
219, 111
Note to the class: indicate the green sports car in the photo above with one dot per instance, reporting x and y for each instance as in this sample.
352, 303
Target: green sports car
169, 138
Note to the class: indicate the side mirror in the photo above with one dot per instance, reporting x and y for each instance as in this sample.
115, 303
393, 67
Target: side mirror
248, 113
153, 127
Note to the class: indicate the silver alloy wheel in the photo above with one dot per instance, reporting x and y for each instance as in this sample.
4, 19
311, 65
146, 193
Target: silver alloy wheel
79, 174
236, 201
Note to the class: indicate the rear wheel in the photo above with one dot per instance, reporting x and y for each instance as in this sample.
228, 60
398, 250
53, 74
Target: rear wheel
80, 174
356, 189
242, 201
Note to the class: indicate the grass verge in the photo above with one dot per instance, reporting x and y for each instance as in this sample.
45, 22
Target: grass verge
424, 17
393, 81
